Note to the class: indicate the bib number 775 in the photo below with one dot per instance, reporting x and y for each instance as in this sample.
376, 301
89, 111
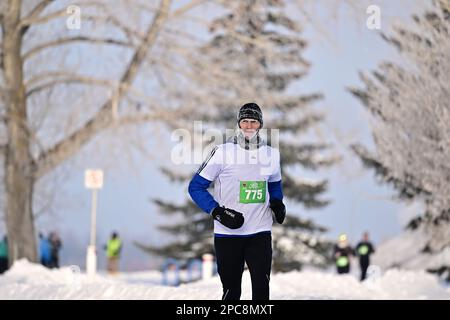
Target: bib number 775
252, 192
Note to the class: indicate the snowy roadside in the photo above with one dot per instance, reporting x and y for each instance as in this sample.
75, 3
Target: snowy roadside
31, 281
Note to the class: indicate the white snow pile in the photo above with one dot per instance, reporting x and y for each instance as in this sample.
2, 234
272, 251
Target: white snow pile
403, 251
31, 281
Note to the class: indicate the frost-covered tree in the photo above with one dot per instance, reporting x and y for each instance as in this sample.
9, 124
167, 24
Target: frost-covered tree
410, 105
70, 73
42, 78
255, 50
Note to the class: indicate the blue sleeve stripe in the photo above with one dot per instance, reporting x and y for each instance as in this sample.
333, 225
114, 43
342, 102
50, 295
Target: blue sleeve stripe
198, 190
275, 190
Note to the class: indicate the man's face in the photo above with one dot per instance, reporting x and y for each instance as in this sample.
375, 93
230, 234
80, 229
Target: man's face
249, 127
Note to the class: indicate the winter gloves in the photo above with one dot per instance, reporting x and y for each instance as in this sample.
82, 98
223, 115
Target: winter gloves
278, 209
234, 220
228, 217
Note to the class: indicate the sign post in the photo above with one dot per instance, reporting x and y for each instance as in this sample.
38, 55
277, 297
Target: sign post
207, 266
93, 179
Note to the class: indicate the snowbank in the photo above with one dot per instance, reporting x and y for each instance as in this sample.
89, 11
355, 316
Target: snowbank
404, 251
30, 281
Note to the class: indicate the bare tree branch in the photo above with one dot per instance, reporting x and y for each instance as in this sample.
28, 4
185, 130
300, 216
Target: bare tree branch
63, 41
142, 118
34, 18
56, 78
38, 9
25, 24
60, 76
129, 32
103, 118
27, 21
445, 4
70, 79
187, 7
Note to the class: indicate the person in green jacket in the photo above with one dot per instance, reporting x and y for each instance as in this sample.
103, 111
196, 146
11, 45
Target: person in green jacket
3, 255
113, 248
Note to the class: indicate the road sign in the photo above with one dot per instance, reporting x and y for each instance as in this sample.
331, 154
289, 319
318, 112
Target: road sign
93, 179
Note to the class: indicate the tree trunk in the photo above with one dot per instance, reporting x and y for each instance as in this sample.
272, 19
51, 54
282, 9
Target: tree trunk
19, 165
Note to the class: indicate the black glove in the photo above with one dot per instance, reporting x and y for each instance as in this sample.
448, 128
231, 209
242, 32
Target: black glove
278, 209
228, 217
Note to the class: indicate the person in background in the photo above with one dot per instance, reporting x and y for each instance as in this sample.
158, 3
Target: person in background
4, 255
44, 250
113, 249
55, 246
363, 250
342, 253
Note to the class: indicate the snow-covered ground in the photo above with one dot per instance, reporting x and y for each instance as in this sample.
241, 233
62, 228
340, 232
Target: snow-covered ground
31, 281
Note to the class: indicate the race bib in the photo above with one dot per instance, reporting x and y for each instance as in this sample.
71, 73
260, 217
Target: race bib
363, 250
342, 262
252, 192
